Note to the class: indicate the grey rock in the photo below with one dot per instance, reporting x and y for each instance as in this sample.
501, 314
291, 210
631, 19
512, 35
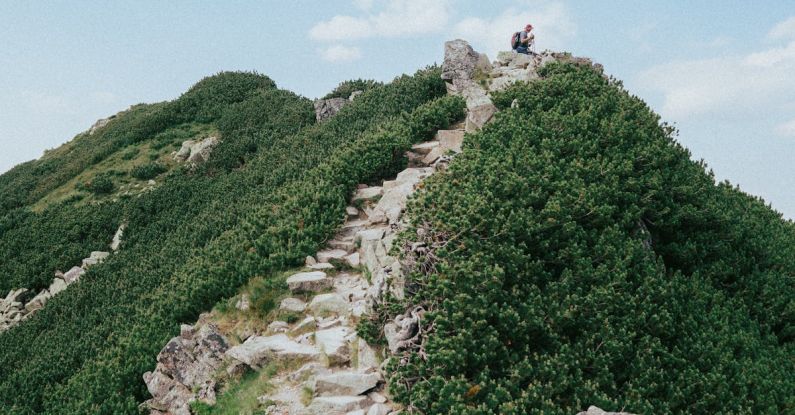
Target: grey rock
327, 108
337, 405
345, 383
593, 410
116, 243
460, 60
73, 274
188, 363
314, 281
293, 304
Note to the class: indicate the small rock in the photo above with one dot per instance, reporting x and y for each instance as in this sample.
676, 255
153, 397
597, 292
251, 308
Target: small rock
376, 397
314, 281
329, 303
278, 327
379, 409
352, 211
293, 304
243, 303
57, 286
310, 260
321, 266
73, 274
353, 260
336, 405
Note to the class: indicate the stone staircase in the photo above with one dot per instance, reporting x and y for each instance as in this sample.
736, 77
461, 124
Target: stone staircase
337, 372
324, 367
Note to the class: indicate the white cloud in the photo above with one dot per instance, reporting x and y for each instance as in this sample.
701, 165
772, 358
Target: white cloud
398, 18
786, 129
783, 30
551, 21
341, 53
738, 86
363, 4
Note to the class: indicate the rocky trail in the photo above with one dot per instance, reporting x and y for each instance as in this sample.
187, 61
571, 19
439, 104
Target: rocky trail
323, 366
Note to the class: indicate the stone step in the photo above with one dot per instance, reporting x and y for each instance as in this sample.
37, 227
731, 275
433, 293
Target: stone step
337, 405
345, 383
331, 255
368, 193
329, 303
314, 281
257, 350
293, 304
335, 343
425, 148
345, 244
321, 266
450, 139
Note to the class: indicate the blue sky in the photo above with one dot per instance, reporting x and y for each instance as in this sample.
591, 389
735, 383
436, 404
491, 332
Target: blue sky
722, 71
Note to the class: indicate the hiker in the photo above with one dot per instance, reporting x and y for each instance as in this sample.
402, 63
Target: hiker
522, 42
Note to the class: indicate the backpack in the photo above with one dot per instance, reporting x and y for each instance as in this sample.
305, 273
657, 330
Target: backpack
516, 40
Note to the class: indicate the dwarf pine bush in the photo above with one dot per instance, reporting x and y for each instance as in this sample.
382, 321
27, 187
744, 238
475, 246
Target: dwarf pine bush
588, 261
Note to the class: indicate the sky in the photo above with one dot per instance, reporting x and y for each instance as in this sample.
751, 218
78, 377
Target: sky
722, 72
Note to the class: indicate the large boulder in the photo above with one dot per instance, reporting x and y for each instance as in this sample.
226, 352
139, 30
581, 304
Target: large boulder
185, 369
196, 152
327, 108
460, 60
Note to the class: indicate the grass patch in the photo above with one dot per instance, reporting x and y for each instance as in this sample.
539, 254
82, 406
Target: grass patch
241, 398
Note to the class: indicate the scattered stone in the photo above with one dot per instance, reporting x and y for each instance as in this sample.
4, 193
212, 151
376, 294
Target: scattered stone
314, 281
310, 260
327, 108
293, 304
352, 211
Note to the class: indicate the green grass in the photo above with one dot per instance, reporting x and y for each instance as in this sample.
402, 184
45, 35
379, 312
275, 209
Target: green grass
241, 398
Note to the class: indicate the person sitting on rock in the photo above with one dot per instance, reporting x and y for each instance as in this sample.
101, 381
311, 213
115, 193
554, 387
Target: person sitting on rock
523, 41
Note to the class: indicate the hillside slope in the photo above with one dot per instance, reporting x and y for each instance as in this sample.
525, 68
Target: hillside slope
273, 189
577, 256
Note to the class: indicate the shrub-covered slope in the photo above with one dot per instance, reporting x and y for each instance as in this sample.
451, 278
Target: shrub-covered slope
581, 258
271, 192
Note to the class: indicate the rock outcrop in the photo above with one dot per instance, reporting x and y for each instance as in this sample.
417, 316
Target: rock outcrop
19, 305
185, 370
327, 108
196, 151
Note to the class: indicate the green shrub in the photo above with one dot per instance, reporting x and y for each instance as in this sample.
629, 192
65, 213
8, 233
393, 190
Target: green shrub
344, 89
101, 184
147, 171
